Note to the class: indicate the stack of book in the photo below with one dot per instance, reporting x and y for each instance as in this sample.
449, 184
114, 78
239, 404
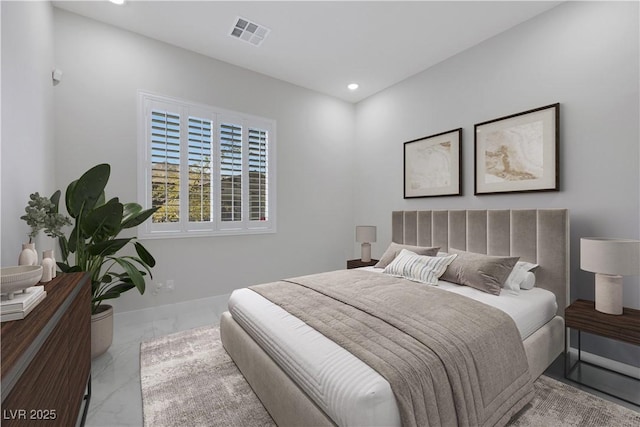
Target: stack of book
21, 304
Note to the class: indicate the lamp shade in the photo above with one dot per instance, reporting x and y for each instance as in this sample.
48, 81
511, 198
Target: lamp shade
610, 256
365, 233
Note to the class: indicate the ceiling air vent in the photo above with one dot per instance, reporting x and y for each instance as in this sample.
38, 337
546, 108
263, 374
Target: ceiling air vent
249, 31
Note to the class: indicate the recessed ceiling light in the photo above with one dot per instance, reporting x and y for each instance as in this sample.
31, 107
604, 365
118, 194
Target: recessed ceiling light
118, 2
353, 86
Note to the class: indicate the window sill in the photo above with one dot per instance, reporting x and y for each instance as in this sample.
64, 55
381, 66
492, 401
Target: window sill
202, 233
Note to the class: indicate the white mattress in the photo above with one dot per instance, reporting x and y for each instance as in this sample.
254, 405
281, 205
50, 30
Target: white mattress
345, 388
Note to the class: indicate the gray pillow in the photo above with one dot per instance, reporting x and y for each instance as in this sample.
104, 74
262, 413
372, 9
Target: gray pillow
483, 272
394, 249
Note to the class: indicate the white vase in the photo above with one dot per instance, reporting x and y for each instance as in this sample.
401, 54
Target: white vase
48, 266
51, 254
28, 255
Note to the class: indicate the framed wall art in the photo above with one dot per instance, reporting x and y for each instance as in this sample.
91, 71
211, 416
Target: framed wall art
518, 153
432, 165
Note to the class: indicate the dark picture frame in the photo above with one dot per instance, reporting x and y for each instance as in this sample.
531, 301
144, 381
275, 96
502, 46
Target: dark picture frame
518, 153
432, 165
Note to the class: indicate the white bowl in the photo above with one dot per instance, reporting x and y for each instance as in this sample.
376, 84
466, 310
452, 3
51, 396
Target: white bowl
16, 279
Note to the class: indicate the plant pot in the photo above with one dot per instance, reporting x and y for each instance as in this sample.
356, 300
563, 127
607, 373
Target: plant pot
101, 330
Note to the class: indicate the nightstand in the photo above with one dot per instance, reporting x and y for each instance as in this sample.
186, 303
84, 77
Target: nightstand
357, 263
582, 316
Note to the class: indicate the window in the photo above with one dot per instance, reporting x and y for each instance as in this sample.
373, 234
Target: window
209, 171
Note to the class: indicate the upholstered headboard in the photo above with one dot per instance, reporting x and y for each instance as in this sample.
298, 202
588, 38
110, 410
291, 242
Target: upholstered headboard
540, 236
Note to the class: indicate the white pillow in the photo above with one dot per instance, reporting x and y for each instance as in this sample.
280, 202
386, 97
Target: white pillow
519, 279
529, 281
419, 268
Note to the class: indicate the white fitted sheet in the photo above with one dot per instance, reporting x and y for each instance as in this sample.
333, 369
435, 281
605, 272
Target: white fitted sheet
345, 388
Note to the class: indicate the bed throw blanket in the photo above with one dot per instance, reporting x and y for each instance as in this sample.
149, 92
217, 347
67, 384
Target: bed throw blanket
450, 360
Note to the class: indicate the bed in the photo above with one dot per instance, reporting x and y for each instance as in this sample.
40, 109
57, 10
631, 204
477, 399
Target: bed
537, 236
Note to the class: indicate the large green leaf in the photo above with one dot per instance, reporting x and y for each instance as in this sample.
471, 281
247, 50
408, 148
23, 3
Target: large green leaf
65, 268
106, 295
144, 255
101, 200
64, 248
103, 221
121, 287
136, 277
139, 218
110, 294
114, 292
67, 198
55, 199
130, 210
86, 191
141, 263
108, 247
73, 240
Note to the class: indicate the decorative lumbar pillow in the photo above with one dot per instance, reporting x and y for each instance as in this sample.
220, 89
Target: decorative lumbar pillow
483, 272
419, 268
394, 249
519, 279
529, 281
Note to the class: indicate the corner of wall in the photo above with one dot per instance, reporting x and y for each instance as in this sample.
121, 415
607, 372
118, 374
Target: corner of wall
27, 115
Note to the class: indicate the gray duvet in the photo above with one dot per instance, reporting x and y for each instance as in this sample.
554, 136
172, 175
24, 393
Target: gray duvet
450, 360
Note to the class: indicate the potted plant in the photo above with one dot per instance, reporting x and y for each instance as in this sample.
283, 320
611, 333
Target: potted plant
41, 213
96, 247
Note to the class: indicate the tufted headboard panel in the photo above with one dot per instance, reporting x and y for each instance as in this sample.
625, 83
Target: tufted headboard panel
540, 236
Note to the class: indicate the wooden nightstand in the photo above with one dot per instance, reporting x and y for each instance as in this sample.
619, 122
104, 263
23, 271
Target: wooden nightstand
357, 263
582, 316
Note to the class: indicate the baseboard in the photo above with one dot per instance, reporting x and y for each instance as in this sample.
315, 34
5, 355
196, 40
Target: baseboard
171, 309
623, 368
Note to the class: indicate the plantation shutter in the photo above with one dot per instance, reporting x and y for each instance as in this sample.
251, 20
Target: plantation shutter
165, 166
230, 172
207, 171
200, 169
258, 175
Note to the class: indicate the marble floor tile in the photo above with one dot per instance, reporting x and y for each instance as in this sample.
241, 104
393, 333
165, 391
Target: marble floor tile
116, 398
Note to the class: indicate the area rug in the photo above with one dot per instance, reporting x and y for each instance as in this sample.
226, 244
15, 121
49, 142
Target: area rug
559, 404
188, 379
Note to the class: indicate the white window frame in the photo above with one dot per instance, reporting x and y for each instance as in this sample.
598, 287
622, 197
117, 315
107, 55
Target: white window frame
148, 101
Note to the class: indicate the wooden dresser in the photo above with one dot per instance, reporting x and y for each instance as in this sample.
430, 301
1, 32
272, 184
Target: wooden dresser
46, 357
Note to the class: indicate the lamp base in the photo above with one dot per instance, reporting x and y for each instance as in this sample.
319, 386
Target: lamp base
609, 293
366, 252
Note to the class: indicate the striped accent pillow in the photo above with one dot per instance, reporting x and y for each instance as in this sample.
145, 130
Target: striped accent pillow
419, 268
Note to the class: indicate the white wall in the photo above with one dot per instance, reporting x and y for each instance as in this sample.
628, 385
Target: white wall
96, 122
583, 55
27, 150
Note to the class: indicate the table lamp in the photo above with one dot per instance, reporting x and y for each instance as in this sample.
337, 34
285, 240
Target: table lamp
610, 259
366, 234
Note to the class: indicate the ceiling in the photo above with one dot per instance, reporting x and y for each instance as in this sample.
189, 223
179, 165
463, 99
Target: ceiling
322, 45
